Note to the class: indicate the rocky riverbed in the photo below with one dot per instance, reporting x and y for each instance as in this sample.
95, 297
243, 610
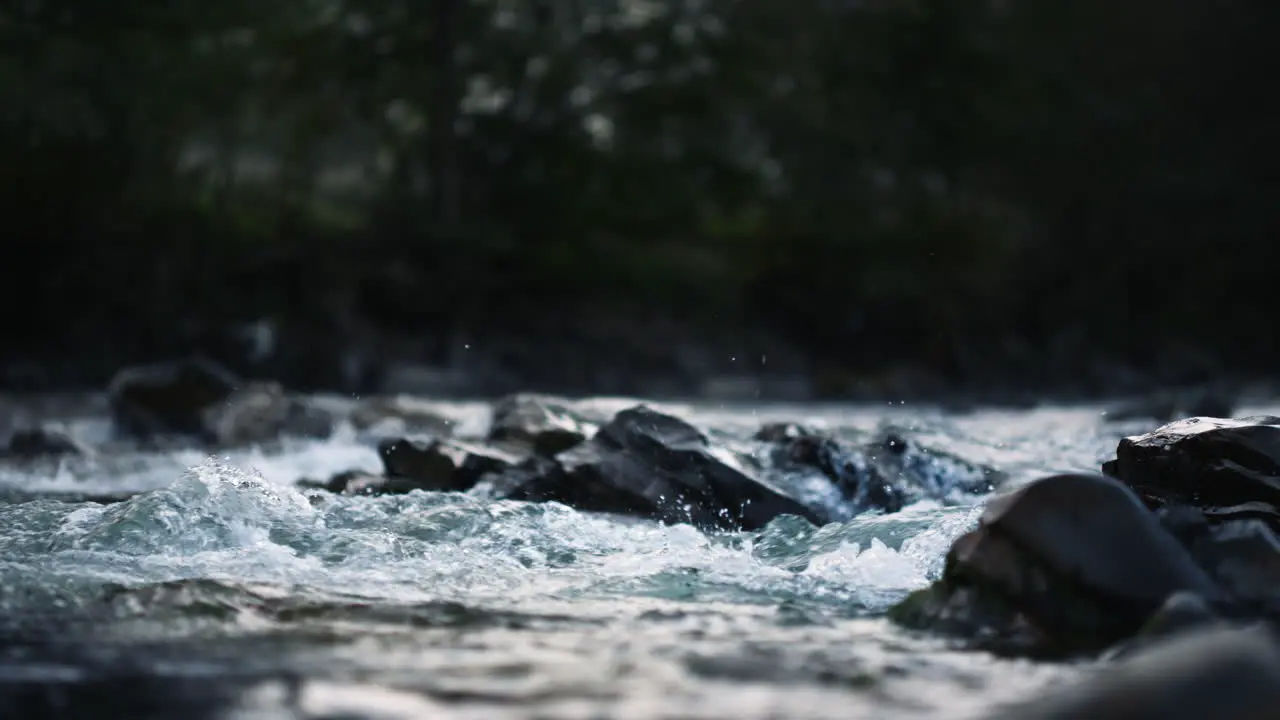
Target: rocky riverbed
190, 544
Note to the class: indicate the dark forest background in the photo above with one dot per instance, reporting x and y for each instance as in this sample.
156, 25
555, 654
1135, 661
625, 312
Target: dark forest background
820, 198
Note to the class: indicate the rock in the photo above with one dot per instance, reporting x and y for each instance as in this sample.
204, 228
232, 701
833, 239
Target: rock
886, 474
1244, 557
42, 442
653, 465
859, 479
1181, 612
1203, 462
168, 398
542, 423
443, 465
1077, 556
403, 414
1213, 673
925, 472
259, 412
782, 432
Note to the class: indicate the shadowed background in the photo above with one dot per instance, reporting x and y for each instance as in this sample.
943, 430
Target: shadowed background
819, 199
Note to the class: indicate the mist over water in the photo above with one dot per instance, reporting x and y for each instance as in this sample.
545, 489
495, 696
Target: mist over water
453, 605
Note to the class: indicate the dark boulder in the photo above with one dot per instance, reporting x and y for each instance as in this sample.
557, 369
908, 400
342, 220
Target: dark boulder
168, 398
653, 465
199, 399
1212, 673
444, 465
1203, 462
1075, 556
43, 442
544, 424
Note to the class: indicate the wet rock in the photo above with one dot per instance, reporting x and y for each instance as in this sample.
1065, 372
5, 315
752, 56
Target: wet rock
782, 432
1182, 612
653, 465
443, 465
1213, 673
201, 400
43, 442
926, 472
168, 398
1203, 462
859, 479
1075, 555
885, 474
1244, 557
403, 414
543, 423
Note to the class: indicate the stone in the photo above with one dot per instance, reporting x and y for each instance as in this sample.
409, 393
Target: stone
442, 465
649, 464
1216, 672
1203, 462
168, 398
545, 424
1078, 556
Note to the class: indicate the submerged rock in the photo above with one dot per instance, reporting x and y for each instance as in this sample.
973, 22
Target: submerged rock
544, 424
1076, 556
1203, 462
1211, 673
885, 474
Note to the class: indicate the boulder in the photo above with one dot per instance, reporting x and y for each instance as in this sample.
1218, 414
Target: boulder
653, 465
199, 399
444, 465
1075, 555
1216, 672
1204, 462
544, 424
168, 398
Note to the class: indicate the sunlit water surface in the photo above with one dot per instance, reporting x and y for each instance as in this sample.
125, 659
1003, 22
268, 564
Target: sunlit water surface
308, 605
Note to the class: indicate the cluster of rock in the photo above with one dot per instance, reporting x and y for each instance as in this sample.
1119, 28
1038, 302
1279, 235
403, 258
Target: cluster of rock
638, 462
1177, 535
645, 463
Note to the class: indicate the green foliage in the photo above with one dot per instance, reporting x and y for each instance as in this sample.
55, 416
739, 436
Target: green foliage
963, 168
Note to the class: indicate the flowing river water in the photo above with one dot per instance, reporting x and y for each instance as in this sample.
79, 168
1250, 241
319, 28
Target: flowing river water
220, 590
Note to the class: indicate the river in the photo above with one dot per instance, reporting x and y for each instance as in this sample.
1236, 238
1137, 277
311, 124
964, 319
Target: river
220, 590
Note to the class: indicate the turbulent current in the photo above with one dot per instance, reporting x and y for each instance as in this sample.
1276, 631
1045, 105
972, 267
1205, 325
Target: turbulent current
221, 590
